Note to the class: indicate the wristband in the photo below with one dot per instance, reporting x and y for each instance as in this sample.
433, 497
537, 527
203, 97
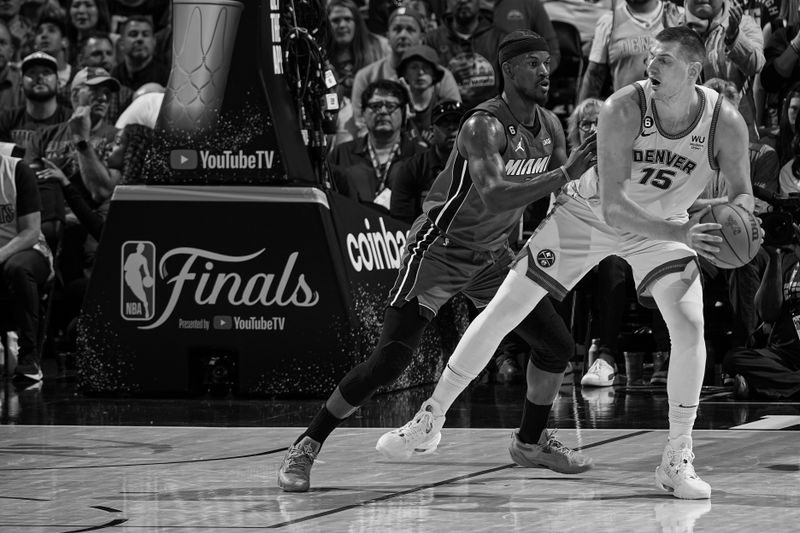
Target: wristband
564, 171
82, 145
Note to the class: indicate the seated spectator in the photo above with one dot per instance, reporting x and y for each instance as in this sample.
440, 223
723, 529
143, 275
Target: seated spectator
79, 148
25, 260
510, 15
351, 47
51, 38
361, 167
139, 64
420, 70
782, 54
125, 160
773, 371
96, 50
406, 29
84, 18
790, 172
21, 28
411, 178
41, 109
734, 49
467, 44
782, 139
144, 108
11, 94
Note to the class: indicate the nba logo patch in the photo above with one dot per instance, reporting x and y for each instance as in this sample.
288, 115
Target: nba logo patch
545, 258
512, 130
137, 283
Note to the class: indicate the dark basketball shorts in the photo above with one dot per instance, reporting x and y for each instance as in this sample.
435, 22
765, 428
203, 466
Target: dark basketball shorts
435, 269
572, 239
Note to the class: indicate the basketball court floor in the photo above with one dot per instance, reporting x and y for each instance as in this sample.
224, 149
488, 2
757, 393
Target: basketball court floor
70, 464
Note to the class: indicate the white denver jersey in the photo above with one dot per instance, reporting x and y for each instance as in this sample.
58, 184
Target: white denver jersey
668, 172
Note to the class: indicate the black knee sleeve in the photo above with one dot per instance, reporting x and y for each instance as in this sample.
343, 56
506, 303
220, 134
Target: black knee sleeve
402, 330
552, 345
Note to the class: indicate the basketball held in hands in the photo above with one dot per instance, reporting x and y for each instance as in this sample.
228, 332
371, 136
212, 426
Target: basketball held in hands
740, 232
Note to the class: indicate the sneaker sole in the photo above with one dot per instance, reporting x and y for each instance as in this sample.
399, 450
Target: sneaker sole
426, 448
523, 461
288, 487
663, 482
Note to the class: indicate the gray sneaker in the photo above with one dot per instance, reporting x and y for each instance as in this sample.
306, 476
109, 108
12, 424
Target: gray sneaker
548, 453
295, 471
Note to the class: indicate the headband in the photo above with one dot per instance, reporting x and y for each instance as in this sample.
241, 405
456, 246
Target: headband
511, 48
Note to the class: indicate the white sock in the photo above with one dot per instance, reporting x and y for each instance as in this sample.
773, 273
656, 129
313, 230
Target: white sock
450, 385
681, 419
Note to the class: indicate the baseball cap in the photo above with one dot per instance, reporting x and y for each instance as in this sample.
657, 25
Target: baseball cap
39, 58
408, 12
426, 53
94, 76
447, 109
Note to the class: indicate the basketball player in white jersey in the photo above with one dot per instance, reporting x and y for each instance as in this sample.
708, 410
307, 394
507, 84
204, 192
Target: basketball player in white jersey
659, 142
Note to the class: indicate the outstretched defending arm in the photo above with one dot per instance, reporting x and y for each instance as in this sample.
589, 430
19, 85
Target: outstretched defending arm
481, 141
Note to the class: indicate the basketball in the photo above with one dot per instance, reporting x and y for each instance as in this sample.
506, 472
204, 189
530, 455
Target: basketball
147, 281
741, 234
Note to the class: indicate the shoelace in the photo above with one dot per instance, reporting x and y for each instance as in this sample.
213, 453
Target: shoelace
555, 444
300, 458
595, 368
420, 426
681, 460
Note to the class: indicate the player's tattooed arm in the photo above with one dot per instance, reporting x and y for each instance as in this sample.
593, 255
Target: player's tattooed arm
481, 141
594, 80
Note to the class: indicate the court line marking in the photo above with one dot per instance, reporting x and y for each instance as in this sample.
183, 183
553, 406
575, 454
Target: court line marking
176, 462
436, 484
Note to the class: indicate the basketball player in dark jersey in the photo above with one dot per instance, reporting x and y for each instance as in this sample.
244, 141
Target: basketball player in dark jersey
509, 153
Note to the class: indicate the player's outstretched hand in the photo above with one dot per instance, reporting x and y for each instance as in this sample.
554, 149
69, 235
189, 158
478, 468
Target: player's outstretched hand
582, 158
696, 235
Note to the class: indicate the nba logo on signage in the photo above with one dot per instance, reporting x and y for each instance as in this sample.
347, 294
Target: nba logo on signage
137, 280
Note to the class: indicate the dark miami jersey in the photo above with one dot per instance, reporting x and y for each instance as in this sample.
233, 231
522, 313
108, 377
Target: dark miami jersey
453, 203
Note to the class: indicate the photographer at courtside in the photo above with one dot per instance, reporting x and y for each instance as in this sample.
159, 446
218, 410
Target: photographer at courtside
774, 370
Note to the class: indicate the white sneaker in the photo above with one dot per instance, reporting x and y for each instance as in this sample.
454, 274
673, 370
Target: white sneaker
420, 436
676, 474
600, 374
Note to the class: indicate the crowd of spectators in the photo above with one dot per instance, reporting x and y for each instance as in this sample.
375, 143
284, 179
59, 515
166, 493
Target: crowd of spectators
70, 71
81, 83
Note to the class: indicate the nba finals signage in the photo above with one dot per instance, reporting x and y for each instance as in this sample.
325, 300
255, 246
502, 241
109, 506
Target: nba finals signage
230, 268
281, 290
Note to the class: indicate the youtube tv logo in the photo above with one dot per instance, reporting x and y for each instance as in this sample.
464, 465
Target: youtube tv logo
183, 159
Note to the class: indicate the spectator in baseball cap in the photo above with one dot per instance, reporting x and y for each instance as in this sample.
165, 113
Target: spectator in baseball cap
411, 178
420, 70
406, 30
